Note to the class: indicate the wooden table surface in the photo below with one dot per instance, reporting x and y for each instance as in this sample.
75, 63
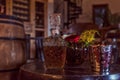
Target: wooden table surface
36, 71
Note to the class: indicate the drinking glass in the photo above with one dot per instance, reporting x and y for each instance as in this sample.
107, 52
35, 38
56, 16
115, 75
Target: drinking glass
54, 53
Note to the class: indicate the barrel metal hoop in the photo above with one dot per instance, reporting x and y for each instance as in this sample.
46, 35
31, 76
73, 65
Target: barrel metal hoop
9, 22
9, 70
11, 17
11, 38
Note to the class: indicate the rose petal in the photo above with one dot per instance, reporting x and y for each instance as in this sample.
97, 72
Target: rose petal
72, 38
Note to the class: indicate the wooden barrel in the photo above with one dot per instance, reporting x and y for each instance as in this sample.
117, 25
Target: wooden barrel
12, 43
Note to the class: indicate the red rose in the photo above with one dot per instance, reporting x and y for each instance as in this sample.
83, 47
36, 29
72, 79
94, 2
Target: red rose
72, 38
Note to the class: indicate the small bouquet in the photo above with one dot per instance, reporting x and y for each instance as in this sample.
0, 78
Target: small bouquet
87, 37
